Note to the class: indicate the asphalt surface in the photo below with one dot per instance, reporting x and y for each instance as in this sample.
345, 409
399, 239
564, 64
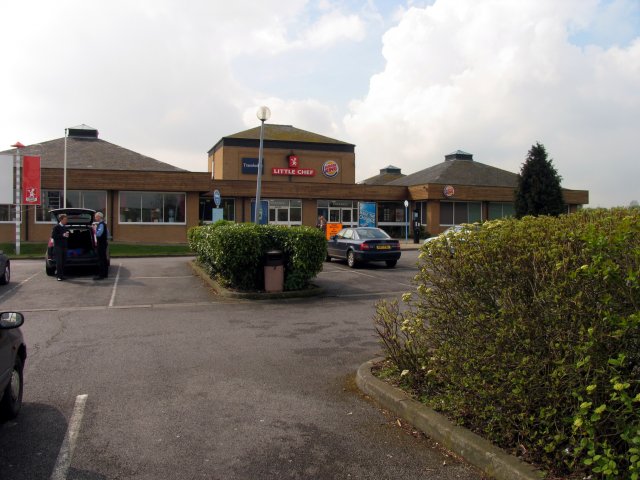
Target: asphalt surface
181, 384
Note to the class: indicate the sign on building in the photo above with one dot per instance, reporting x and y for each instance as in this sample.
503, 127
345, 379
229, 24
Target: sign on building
367, 214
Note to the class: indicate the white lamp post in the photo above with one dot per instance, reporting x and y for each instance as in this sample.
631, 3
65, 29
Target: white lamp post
263, 115
18, 165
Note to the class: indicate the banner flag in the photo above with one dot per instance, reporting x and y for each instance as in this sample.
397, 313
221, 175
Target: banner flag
7, 193
31, 180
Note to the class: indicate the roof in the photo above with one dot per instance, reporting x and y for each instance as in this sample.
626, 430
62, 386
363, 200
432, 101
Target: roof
461, 172
93, 154
386, 175
277, 136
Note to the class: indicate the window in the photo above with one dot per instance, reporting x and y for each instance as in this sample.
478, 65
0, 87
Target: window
391, 213
52, 199
421, 207
455, 213
152, 207
500, 210
339, 211
7, 213
285, 212
228, 206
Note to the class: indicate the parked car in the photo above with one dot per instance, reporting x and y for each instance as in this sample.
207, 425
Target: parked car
13, 355
82, 248
5, 269
361, 245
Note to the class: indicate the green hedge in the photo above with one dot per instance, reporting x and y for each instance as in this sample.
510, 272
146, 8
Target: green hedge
234, 253
529, 334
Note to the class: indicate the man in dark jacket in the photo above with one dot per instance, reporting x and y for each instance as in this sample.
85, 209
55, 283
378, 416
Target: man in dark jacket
60, 244
102, 233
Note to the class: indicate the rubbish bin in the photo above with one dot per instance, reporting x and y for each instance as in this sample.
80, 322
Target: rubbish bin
274, 271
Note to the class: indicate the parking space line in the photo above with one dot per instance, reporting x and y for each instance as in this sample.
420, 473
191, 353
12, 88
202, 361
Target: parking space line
115, 286
18, 285
63, 461
154, 278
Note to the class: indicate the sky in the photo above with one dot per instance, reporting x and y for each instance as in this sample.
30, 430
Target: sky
405, 81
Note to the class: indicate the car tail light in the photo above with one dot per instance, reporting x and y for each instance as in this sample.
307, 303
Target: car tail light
365, 246
50, 245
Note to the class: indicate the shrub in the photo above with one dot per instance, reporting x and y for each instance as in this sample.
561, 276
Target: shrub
530, 335
235, 253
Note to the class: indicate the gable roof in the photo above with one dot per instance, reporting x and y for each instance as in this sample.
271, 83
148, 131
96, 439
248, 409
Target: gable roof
93, 154
461, 172
280, 136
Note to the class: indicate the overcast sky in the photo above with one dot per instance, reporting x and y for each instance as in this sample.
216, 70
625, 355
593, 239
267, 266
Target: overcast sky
406, 81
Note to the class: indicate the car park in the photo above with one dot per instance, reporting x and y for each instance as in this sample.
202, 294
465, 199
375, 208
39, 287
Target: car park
13, 354
362, 245
5, 269
82, 247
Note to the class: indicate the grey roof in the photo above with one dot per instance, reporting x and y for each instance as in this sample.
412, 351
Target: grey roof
93, 154
287, 133
461, 172
387, 175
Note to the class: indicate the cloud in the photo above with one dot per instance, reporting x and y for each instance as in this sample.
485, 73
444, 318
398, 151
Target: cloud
494, 77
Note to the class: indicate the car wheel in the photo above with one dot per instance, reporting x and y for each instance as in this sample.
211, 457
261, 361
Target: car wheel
391, 263
51, 271
12, 398
327, 258
6, 276
351, 259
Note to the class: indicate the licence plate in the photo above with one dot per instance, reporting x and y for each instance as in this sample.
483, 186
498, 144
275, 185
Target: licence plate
383, 247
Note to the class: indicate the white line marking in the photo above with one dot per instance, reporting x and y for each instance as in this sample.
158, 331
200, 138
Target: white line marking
69, 443
115, 286
18, 285
154, 278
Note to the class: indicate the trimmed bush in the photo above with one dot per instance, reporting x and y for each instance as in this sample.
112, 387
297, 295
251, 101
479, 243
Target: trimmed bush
234, 253
529, 334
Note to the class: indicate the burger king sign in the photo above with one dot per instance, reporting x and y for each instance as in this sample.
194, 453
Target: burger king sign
330, 168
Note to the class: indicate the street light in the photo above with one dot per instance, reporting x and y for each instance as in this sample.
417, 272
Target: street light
263, 115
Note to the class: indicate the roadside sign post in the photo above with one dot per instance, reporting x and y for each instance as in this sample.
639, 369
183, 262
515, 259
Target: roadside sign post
17, 162
406, 220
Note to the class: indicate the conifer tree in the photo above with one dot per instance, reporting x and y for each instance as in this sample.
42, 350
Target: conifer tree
539, 191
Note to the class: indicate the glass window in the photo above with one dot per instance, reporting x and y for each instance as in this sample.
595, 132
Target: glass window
500, 210
285, 212
455, 213
52, 199
391, 213
7, 213
152, 207
228, 206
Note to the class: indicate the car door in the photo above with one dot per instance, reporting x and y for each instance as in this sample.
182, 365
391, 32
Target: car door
332, 244
6, 358
344, 243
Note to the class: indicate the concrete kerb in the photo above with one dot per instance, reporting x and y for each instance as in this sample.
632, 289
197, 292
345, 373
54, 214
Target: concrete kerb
314, 291
492, 460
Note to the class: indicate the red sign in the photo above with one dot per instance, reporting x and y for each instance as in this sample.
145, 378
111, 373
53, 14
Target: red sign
449, 191
293, 161
31, 181
299, 172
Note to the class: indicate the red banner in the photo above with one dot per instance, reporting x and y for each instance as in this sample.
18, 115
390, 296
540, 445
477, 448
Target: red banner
31, 180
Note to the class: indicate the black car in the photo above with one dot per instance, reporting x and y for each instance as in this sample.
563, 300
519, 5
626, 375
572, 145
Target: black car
82, 246
365, 244
13, 355
5, 269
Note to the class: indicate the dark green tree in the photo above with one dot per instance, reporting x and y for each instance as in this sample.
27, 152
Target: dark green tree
539, 191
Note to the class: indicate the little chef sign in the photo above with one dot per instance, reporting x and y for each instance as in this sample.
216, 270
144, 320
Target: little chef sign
293, 169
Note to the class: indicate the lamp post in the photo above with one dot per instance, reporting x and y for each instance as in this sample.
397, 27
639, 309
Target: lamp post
64, 174
17, 162
263, 115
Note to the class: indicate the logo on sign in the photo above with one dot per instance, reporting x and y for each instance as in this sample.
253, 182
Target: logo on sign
449, 191
216, 197
330, 168
293, 161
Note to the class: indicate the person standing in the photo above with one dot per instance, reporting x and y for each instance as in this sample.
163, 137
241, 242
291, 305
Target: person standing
60, 237
102, 241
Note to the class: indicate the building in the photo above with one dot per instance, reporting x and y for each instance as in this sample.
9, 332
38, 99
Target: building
305, 175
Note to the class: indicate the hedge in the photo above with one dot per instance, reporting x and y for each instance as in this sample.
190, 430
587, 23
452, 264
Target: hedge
529, 334
234, 253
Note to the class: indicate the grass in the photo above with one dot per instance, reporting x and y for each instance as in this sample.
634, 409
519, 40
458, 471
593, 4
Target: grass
37, 250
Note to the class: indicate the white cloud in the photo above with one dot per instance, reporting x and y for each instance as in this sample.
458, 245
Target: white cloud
494, 77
